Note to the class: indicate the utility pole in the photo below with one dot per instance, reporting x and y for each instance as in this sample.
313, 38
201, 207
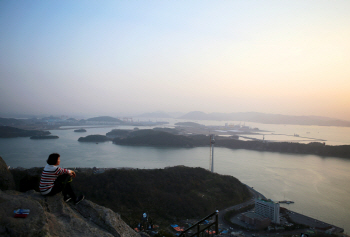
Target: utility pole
211, 159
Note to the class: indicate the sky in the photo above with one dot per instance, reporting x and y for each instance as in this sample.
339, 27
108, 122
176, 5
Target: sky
115, 58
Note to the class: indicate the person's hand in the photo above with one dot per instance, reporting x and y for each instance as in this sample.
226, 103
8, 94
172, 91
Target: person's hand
72, 173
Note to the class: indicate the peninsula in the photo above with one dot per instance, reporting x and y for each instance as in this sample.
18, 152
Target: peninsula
168, 137
11, 132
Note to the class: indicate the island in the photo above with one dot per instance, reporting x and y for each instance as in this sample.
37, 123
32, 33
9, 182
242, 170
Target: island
44, 137
94, 138
80, 130
149, 137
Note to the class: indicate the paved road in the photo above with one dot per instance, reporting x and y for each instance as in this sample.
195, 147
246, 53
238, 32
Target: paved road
227, 225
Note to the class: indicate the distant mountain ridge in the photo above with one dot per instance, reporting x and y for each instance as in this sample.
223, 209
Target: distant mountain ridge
267, 118
155, 115
160, 114
104, 119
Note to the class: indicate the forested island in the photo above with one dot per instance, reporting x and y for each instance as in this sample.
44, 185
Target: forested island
44, 137
94, 138
150, 137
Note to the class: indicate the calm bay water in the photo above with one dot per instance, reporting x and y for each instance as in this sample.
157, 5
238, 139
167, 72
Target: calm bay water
320, 186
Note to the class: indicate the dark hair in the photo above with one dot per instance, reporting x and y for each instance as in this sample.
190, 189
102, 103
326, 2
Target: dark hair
52, 160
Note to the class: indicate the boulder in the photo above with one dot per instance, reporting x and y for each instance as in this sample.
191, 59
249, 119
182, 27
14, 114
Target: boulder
27, 179
6, 178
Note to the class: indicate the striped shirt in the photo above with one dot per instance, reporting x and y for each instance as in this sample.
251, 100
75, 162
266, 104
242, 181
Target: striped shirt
49, 176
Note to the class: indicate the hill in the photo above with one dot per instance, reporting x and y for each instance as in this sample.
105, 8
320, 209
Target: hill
168, 194
155, 115
188, 124
155, 137
104, 119
195, 115
10, 122
124, 133
94, 138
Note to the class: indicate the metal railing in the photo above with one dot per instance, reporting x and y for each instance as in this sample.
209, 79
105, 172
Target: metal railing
206, 231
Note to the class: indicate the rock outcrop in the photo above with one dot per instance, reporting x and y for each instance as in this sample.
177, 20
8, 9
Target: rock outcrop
6, 178
51, 216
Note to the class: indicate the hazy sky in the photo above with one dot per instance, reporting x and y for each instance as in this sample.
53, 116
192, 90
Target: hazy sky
129, 57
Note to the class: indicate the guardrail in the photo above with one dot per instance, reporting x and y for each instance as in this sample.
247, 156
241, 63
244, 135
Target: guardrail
206, 231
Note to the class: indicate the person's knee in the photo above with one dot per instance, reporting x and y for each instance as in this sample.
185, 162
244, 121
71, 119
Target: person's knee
68, 179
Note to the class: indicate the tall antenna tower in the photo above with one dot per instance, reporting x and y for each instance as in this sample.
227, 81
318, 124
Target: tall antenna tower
211, 155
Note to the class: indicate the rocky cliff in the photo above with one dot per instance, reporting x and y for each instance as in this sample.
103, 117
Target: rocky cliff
6, 178
51, 216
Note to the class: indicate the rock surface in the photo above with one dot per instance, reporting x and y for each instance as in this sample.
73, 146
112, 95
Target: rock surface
51, 216
6, 178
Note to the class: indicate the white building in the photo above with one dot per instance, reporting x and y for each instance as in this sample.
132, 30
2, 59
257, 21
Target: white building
269, 209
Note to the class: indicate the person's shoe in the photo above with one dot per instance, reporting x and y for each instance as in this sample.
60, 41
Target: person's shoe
67, 199
79, 199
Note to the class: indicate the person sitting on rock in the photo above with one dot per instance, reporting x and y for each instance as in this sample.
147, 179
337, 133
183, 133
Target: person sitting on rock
55, 179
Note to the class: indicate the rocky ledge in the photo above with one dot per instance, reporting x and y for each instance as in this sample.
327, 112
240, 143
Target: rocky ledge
51, 216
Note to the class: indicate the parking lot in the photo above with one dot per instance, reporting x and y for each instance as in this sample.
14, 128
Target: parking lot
313, 223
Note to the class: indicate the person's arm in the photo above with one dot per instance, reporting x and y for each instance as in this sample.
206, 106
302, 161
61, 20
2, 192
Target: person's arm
60, 171
71, 173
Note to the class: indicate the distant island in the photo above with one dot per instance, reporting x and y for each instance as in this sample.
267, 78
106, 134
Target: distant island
94, 138
53, 123
49, 123
105, 119
44, 137
155, 115
80, 130
160, 114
